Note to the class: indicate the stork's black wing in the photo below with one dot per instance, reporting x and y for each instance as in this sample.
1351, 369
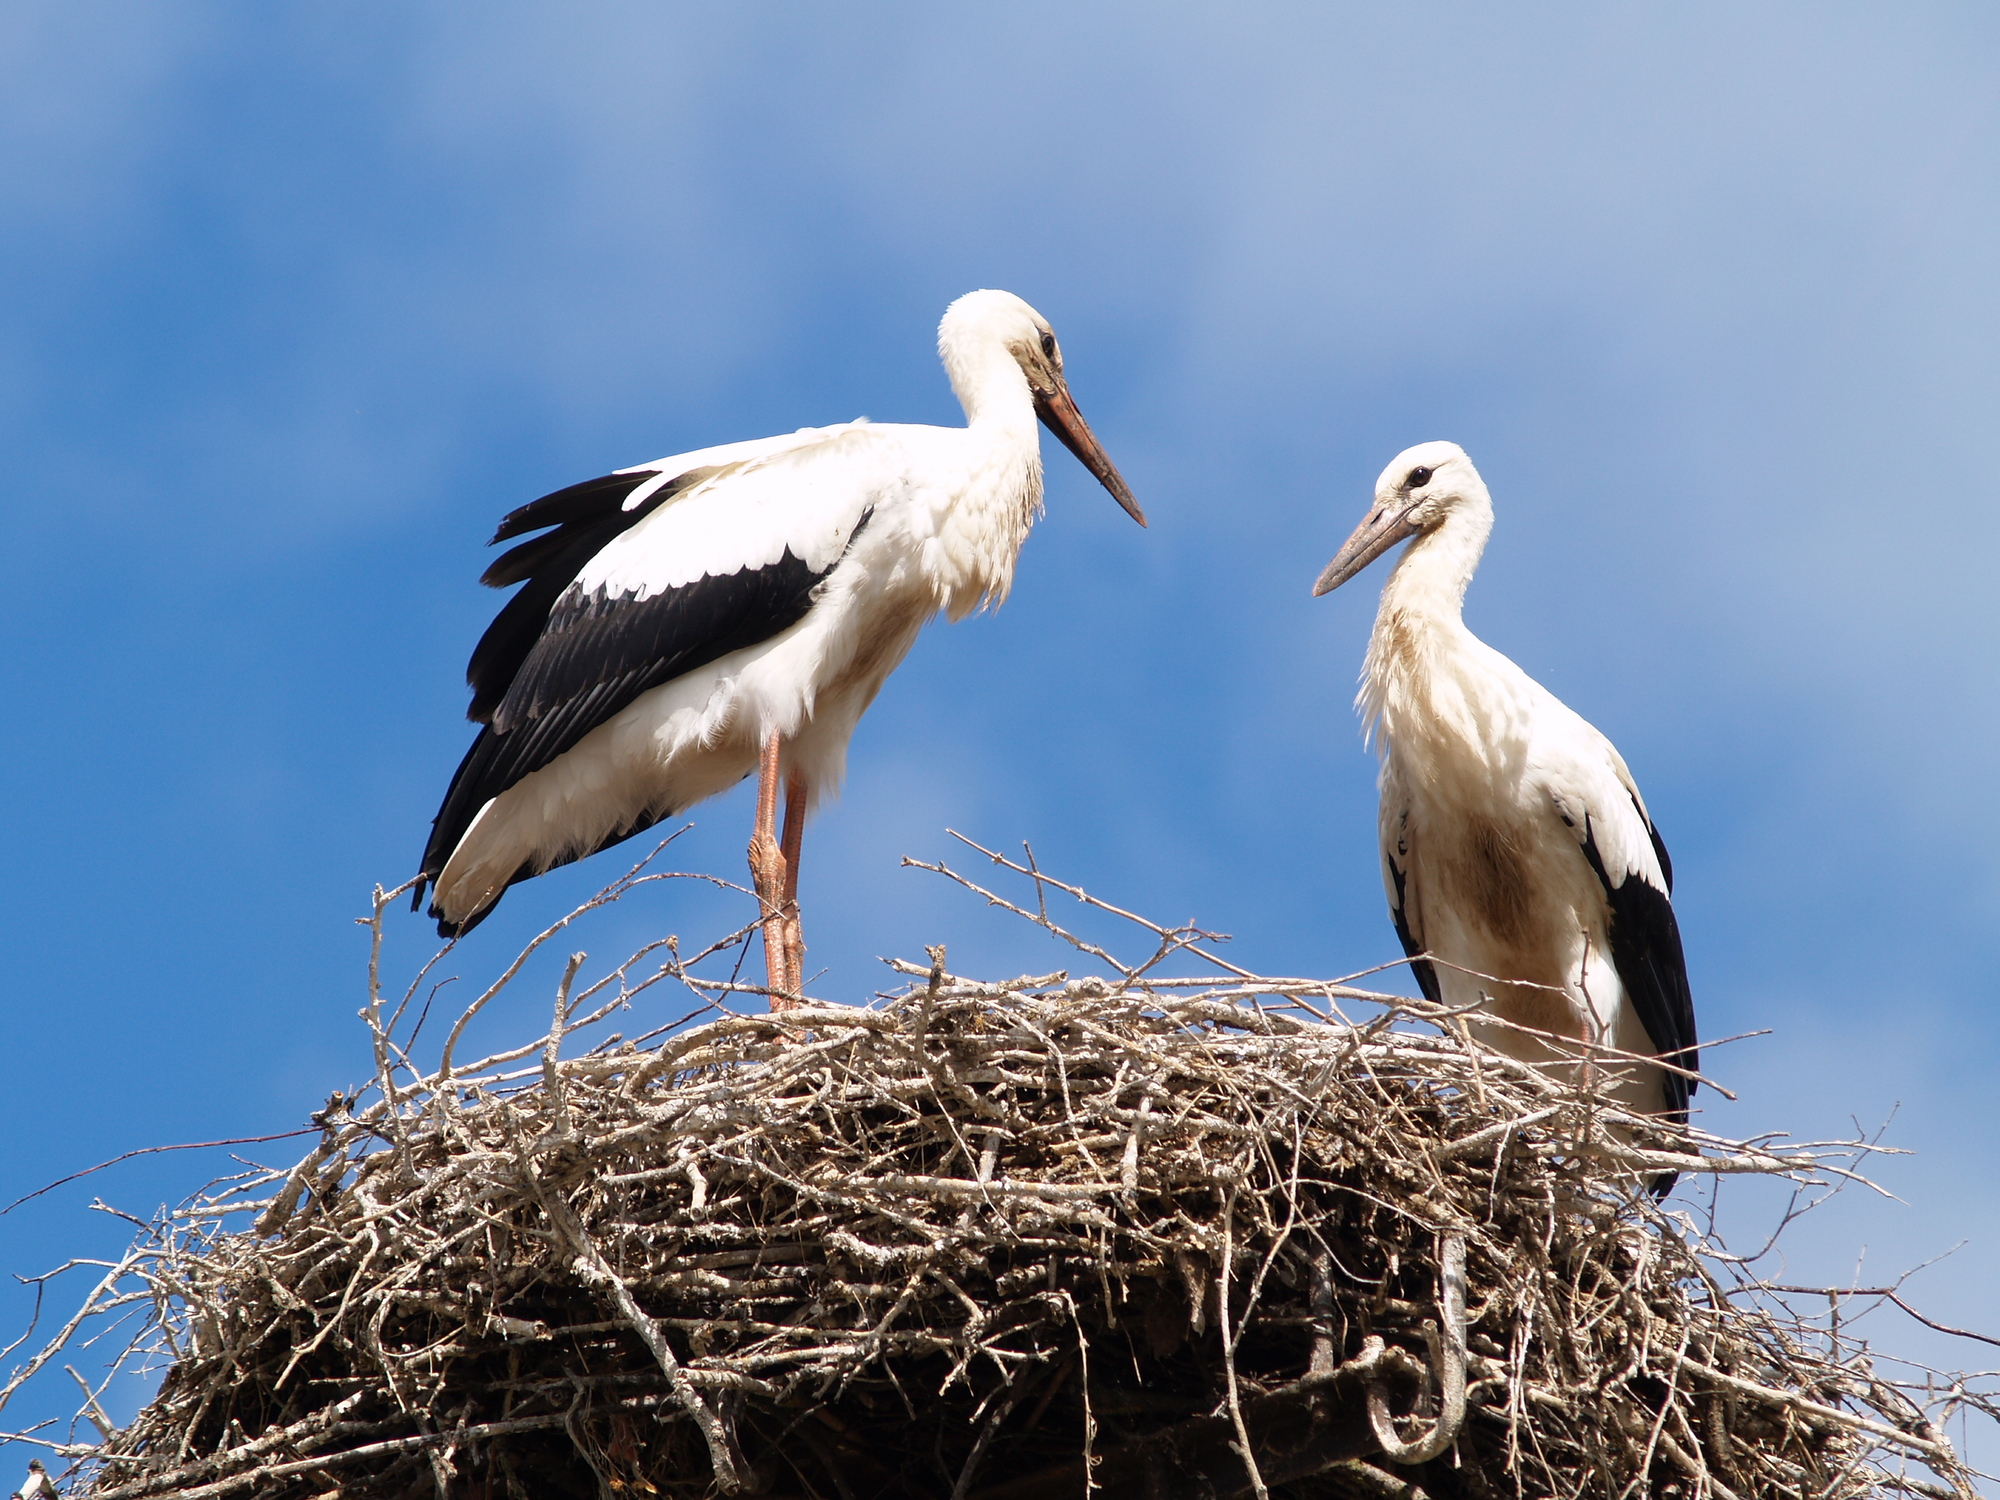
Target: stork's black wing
1394, 827
1646, 950
1426, 974
558, 662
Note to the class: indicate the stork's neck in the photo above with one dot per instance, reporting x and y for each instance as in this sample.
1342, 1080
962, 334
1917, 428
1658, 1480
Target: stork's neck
999, 492
1420, 627
1430, 578
988, 382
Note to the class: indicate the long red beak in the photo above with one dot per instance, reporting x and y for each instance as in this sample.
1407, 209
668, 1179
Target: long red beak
1059, 414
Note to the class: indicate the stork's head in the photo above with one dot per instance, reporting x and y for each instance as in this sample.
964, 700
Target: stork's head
1422, 488
990, 342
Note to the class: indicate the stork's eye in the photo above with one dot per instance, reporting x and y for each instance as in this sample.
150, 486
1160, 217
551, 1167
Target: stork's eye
1049, 345
1418, 479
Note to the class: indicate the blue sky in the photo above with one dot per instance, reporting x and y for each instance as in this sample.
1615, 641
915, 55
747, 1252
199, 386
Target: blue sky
300, 300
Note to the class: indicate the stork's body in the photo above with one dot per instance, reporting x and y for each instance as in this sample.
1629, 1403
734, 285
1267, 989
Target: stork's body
689, 622
1516, 849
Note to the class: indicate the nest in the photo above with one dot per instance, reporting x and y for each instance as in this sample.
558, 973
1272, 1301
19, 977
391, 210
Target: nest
1129, 1236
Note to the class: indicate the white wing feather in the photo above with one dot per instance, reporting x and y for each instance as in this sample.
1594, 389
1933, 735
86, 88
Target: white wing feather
805, 492
1586, 777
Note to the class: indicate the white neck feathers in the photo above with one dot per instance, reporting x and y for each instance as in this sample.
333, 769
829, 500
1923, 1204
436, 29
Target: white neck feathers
988, 382
1000, 492
1406, 680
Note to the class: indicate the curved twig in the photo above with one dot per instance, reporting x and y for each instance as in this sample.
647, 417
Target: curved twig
1447, 1360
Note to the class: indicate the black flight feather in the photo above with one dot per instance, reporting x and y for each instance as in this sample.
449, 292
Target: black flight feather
587, 517
1646, 951
592, 500
557, 662
1425, 971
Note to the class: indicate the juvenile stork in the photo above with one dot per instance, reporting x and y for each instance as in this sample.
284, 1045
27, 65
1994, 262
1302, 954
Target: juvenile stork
1516, 850
684, 623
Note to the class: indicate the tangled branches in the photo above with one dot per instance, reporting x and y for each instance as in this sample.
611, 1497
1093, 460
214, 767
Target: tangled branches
1130, 1235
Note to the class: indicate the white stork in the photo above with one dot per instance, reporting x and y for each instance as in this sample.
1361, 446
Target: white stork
1516, 850
736, 609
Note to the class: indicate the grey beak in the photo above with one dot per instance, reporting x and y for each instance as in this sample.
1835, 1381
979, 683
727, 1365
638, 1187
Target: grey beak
1386, 525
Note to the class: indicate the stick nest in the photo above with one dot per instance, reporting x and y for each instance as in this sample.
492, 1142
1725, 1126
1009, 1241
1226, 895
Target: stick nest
1129, 1236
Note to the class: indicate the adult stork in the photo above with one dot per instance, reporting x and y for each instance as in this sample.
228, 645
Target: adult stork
686, 622
1516, 850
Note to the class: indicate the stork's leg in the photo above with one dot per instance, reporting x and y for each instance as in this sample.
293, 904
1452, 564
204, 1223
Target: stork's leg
767, 877
795, 828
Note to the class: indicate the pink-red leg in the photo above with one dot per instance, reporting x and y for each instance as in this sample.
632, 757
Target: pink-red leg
768, 878
795, 828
